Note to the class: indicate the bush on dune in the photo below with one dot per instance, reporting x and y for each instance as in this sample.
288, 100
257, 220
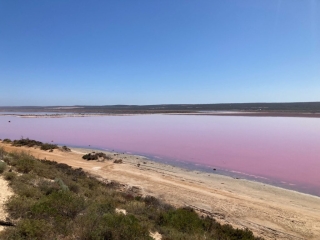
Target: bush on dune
6, 140
9, 176
66, 149
48, 146
26, 142
90, 156
95, 156
33, 143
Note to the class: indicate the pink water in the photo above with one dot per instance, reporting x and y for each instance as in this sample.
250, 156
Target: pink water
282, 151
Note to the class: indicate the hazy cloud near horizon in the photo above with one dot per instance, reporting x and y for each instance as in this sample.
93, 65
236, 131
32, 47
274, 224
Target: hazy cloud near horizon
148, 52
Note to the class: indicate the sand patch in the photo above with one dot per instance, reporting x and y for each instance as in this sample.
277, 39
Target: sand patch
121, 211
5, 193
96, 168
155, 235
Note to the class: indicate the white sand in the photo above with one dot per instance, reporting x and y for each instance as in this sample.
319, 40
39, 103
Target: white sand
5, 193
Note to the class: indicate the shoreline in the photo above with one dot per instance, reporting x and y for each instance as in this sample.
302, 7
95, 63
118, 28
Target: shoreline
269, 211
198, 169
195, 167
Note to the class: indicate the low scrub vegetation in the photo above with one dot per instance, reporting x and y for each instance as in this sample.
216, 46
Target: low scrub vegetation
48, 146
3, 166
66, 149
33, 143
6, 140
26, 142
118, 161
95, 156
54, 201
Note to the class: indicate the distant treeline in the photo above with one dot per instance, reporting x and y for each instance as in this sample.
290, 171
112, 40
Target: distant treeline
304, 107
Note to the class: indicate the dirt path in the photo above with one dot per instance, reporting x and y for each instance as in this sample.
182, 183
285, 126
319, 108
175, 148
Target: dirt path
268, 211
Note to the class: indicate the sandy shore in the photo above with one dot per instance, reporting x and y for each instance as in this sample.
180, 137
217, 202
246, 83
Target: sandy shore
270, 212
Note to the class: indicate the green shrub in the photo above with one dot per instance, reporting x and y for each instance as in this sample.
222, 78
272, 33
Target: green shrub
10, 160
26, 142
121, 227
151, 200
48, 187
223, 231
3, 167
66, 149
61, 203
138, 208
32, 229
48, 146
20, 207
2, 153
90, 223
22, 161
31, 143
25, 164
29, 191
114, 226
90, 156
45, 171
10, 176
95, 156
62, 185
182, 219
7, 140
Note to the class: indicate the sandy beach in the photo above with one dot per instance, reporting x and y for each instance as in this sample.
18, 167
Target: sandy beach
270, 212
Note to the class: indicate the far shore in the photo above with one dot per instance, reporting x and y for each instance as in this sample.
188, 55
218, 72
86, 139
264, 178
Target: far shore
270, 212
195, 113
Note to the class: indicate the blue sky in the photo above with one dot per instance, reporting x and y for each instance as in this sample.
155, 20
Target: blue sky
158, 52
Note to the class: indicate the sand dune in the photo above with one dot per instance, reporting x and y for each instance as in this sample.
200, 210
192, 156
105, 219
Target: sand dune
270, 212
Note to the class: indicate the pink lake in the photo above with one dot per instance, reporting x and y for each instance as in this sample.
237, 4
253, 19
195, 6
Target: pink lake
281, 151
